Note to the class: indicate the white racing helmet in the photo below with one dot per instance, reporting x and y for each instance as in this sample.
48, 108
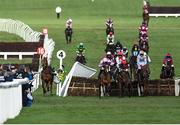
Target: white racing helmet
108, 53
141, 52
70, 20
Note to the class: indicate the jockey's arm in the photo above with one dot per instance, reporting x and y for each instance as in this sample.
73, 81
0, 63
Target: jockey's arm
107, 24
113, 38
112, 63
67, 25
101, 63
148, 59
138, 61
83, 50
70, 25
117, 62
108, 39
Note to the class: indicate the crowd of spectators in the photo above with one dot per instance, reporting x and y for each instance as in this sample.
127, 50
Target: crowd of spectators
9, 72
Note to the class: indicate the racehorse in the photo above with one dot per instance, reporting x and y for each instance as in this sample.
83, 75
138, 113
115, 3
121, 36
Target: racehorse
68, 34
145, 15
146, 18
81, 58
124, 81
47, 77
111, 48
133, 67
143, 45
167, 72
109, 29
105, 81
143, 77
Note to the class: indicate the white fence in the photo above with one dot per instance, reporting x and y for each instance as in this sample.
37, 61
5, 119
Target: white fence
164, 15
24, 31
20, 54
11, 92
19, 28
78, 70
10, 99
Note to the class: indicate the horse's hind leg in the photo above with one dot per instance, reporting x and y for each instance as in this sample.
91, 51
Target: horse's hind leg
66, 38
104, 90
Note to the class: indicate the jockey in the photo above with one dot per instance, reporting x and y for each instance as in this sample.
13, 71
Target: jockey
168, 58
69, 23
148, 58
143, 29
121, 61
135, 50
107, 60
144, 37
145, 7
142, 59
110, 39
80, 49
125, 51
61, 74
109, 22
118, 47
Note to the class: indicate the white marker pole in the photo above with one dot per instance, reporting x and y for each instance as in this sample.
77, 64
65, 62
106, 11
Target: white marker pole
60, 63
60, 55
59, 85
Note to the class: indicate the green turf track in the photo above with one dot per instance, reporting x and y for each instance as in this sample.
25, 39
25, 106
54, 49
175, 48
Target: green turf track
88, 22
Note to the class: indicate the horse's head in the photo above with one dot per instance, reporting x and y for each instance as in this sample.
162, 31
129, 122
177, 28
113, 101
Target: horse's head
44, 62
68, 30
144, 71
123, 76
168, 68
110, 29
144, 46
106, 68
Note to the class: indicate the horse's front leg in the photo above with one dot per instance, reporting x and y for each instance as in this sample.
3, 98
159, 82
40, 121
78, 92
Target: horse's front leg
129, 89
66, 38
146, 87
51, 87
100, 91
44, 88
142, 88
70, 37
120, 89
104, 90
